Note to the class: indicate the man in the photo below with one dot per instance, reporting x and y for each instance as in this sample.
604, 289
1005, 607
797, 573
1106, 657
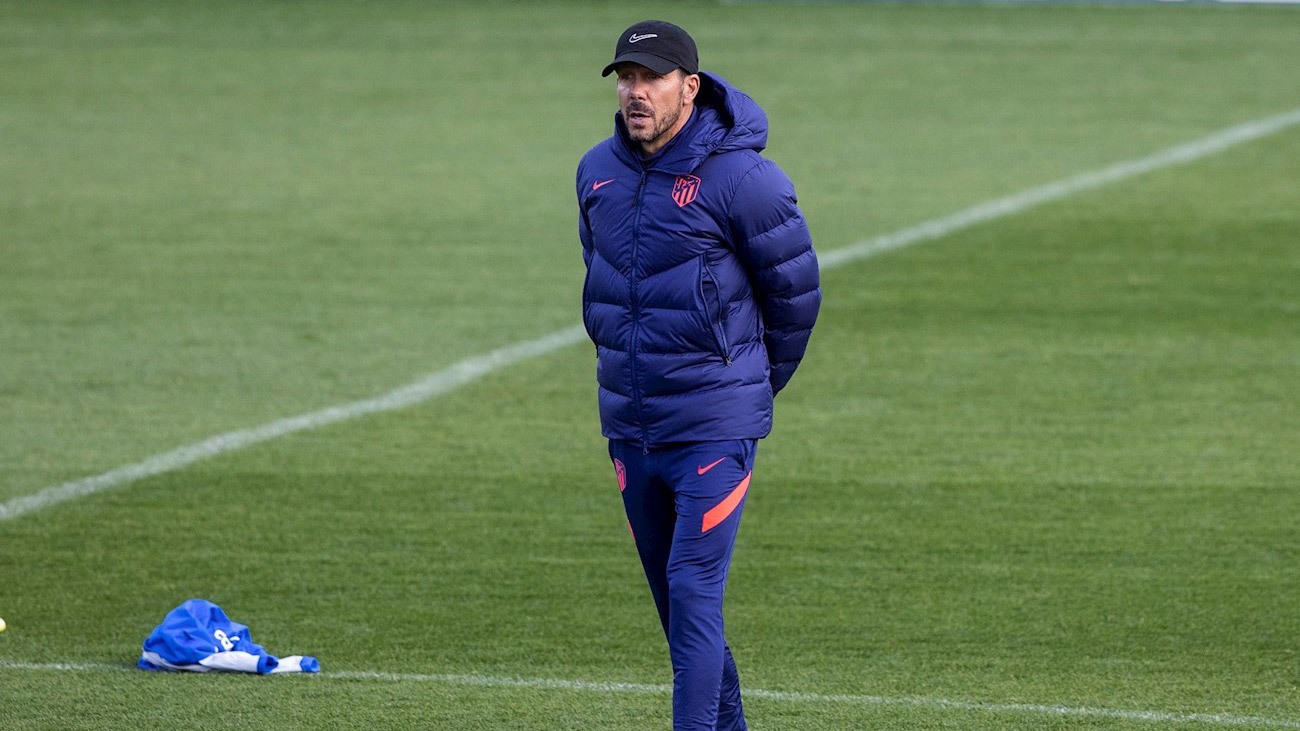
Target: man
700, 295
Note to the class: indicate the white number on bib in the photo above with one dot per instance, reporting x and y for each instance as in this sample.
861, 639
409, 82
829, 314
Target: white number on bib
227, 643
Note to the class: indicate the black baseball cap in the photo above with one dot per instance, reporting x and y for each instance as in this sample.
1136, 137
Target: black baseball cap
659, 46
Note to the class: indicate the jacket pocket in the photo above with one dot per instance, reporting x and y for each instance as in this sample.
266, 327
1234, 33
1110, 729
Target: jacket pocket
715, 310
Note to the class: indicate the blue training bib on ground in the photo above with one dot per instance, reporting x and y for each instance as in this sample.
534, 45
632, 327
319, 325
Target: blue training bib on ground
197, 636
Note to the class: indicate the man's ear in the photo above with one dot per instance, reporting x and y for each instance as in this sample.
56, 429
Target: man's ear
690, 86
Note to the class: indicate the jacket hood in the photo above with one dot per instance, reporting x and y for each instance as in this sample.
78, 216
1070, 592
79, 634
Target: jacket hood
724, 119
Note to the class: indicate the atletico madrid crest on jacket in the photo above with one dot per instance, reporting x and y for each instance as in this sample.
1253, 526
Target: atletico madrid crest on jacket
685, 188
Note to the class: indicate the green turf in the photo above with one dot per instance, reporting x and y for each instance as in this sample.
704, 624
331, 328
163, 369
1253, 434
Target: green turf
1046, 460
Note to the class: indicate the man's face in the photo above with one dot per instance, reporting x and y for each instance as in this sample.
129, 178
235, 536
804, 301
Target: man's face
653, 103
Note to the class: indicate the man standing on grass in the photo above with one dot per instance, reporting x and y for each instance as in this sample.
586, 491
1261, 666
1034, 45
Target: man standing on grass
701, 292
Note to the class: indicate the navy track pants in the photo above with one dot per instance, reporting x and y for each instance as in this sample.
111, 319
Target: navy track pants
683, 506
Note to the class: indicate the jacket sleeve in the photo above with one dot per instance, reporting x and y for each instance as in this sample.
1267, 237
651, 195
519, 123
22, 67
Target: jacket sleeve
584, 229
584, 236
772, 240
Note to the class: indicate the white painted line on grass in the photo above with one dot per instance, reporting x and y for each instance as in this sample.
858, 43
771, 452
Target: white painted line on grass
1065, 188
471, 369
435, 384
88, 667
919, 702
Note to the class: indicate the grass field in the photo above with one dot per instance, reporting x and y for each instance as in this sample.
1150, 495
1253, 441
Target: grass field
1046, 460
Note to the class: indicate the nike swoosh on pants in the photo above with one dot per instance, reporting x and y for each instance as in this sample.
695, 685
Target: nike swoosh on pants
701, 470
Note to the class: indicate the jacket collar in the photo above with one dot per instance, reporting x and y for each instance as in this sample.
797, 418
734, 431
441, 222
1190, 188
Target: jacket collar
724, 118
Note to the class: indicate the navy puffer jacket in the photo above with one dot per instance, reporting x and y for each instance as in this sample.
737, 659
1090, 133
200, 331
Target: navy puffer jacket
702, 285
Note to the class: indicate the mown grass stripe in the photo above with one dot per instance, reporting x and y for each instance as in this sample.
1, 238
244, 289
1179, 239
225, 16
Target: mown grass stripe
920, 702
471, 369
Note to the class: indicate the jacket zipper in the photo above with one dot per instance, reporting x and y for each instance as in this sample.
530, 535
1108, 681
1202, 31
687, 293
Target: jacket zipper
636, 311
720, 330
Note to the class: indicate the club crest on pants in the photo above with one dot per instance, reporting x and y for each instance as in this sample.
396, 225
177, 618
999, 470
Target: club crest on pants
621, 473
685, 188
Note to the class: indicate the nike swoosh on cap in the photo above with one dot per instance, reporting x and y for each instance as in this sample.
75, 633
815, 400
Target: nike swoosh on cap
634, 37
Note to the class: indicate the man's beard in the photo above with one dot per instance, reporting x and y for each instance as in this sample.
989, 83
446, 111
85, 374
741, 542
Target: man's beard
658, 127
